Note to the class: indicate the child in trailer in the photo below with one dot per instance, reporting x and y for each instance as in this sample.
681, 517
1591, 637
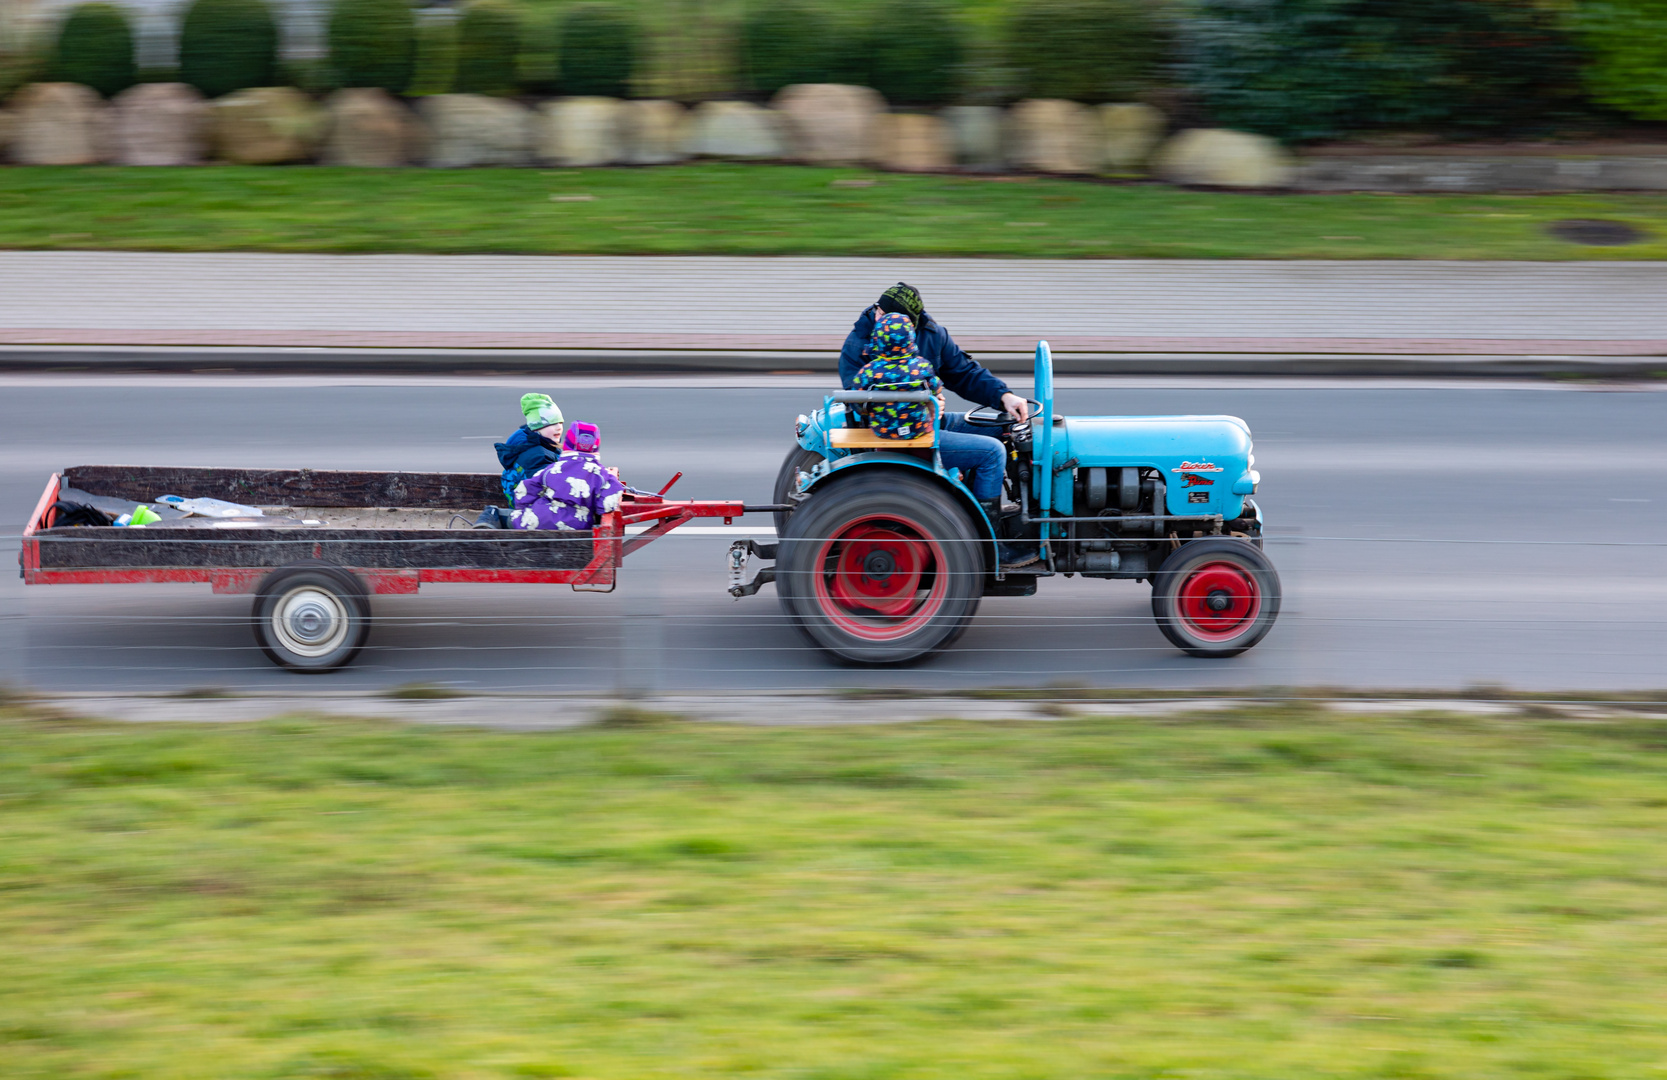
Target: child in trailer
571, 494
533, 445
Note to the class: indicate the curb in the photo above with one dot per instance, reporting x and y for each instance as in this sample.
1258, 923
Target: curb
561, 713
45, 359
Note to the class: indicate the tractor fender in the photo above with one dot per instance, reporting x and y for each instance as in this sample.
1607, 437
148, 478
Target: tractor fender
827, 473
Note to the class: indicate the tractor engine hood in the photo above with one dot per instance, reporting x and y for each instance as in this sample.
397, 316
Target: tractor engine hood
1205, 460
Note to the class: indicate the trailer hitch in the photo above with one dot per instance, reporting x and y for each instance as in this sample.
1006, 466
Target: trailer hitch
739, 586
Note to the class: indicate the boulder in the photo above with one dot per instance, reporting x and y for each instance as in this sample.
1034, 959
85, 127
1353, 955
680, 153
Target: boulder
655, 132
1214, 157
734, 129
1132, 132
60, 124
915, 142
470, 129
160, 124
370, 130
830, 123
268, 125
975, 136
1054, 136
582, 131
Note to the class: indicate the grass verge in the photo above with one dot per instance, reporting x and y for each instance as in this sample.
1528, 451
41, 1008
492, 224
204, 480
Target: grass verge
772, 210
1274, 893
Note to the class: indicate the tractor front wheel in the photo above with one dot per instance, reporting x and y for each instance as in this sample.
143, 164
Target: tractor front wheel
1216, 597
881, 567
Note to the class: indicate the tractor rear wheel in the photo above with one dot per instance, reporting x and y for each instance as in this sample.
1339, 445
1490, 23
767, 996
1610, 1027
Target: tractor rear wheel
881, 567
1216, 597
798, 460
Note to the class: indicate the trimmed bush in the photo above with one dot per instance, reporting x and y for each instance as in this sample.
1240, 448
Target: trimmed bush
95, 48
537, 64
488, 43
1315, 69
598, 51
435, 66
1084, 50
915, 54
783, 45
1626, 42
373, 44
228, 45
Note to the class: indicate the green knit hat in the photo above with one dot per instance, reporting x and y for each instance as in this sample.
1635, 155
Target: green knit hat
540, 411
904, 299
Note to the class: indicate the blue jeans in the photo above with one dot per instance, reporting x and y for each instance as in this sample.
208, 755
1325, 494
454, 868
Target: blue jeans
981, 458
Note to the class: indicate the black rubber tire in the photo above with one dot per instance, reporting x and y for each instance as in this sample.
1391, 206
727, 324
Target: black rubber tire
798, 460
1240, 557
319, 595
952, 578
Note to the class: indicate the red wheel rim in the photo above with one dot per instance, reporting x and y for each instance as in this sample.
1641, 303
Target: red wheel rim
1218, 601
880, 578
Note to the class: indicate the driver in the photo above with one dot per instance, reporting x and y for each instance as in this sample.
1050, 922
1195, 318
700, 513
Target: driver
960, 372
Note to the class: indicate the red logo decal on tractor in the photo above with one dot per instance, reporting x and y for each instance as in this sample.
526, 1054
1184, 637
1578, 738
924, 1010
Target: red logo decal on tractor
1194, 480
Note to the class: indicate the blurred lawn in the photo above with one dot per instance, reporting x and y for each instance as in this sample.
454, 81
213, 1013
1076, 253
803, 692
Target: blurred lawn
772, 210
1261, 895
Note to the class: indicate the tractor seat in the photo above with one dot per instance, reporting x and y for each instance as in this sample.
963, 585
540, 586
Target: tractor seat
862, 438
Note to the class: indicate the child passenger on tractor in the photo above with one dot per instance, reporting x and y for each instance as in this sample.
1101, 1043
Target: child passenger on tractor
572, 493
533, 445
892, 361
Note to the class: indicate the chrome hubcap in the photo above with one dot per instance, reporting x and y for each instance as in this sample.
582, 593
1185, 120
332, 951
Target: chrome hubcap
309, 621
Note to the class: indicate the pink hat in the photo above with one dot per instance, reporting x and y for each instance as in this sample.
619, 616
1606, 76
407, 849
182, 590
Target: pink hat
582, 437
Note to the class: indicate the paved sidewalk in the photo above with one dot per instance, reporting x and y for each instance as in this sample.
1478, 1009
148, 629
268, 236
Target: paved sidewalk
787, 305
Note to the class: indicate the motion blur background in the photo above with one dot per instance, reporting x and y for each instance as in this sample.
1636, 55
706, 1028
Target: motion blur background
1415, 834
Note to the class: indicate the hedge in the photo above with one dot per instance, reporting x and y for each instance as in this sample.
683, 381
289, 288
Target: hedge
1316, 69
373, 44
1084, 50
1626, 41
434, 65
228, 45
782, 45
915, 54
95, 48
597, 51
488, 41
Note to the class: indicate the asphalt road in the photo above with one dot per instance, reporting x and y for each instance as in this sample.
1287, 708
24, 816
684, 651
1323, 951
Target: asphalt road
1428, 536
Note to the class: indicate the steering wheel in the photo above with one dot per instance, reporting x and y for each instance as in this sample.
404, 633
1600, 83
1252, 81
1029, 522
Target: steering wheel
990, 416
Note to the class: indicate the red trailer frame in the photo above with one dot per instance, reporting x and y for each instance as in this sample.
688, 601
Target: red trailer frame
610, 544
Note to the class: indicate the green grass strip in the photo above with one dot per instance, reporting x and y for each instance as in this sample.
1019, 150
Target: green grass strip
773, 210
1276, 894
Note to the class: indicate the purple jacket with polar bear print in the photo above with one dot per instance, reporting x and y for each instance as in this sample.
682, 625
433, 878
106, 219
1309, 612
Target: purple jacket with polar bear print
570, 494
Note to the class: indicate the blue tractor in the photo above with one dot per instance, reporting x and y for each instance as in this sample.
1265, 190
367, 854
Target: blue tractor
884, 554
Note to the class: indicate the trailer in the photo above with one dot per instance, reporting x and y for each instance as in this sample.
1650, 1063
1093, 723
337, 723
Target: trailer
319, 550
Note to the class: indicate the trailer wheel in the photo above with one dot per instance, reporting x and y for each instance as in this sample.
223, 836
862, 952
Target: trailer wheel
880, 567
798, 460
1215, 597
311, 617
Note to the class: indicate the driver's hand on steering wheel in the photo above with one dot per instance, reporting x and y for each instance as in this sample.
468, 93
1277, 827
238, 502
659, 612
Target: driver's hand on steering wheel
1017, 407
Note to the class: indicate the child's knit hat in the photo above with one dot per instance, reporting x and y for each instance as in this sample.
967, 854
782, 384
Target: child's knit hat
540, 411
583, 437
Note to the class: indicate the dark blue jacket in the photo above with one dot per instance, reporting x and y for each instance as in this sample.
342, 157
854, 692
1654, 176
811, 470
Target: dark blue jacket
522, 454
960, 372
